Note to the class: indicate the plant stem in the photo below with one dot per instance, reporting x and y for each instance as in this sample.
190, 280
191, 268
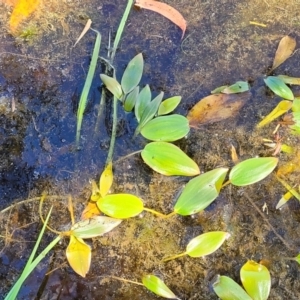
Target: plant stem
159, 214
174, 256
126, 280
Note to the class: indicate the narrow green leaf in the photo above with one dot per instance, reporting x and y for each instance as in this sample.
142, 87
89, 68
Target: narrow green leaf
219, 89
166, 128
131, 99
168, 105
228, 289
132, 74
157, 286
238, 87
87, 85
296, 105
206, 243
252, 170
121, 206
256, 280
112, 85
143, 100
149, 112
168, 159
95, 226
200, 192
279, 87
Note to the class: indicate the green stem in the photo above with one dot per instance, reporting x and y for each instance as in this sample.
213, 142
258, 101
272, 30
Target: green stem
125, 280
159, 214
174, 256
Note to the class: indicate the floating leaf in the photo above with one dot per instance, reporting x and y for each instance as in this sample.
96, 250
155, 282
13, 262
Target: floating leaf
215, 108
279, 88
166, 128
168, 159
238, 87
106, 179
22, 10
143, 100
90, 210
164, 9
206, 243
228, 289
200, 192
168, 105
112, 85
79, 255
252, 170
281, 108
256, 280
149, 112
121, 206
93, 227
131, 99
289, 80
285, 49
157, 286
132, 74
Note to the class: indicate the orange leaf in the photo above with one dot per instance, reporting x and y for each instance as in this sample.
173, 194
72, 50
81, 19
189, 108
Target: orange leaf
217, 107
90, 211
285, 49
22, 10
165, 10
79, 255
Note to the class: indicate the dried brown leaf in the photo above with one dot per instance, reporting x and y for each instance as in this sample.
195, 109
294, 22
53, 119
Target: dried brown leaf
285, 49
217, 107
165, 10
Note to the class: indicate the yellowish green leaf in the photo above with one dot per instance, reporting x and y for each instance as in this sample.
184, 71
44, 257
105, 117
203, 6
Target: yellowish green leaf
284, 199
289, 80
280, 109
168, 105
112, 85
79, 255
238, 87
106, 179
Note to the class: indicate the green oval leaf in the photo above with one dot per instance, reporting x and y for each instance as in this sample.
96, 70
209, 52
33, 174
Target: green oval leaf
149, 112
121, 206
238, 87
112, 85
228, 289
256, 280
166, 128
168, 105
206, 243
143, 100
131, 99
157, 286
94, 226
279, 88
252, 170
132, 74
200, 192
168, 159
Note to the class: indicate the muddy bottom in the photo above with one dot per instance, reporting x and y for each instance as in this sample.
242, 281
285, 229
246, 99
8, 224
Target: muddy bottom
41, 78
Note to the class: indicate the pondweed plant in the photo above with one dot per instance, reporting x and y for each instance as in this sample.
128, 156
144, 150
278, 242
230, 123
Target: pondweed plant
160, 127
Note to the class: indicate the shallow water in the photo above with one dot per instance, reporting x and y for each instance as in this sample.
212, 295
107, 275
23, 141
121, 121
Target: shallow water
44, 77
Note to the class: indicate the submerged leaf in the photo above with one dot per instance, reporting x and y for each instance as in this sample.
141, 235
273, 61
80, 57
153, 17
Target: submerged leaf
93, 227
164, 9
285, 49
206, 243
200, 192
215, 108
252, 170
132, 74
168, 159
79, 255
238, 87
157, 286
278, 87
166, 128
168, 105
143, 100
282, 107
121, 206
106, 179
228, 289
256, 280
112, 85
131, 99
